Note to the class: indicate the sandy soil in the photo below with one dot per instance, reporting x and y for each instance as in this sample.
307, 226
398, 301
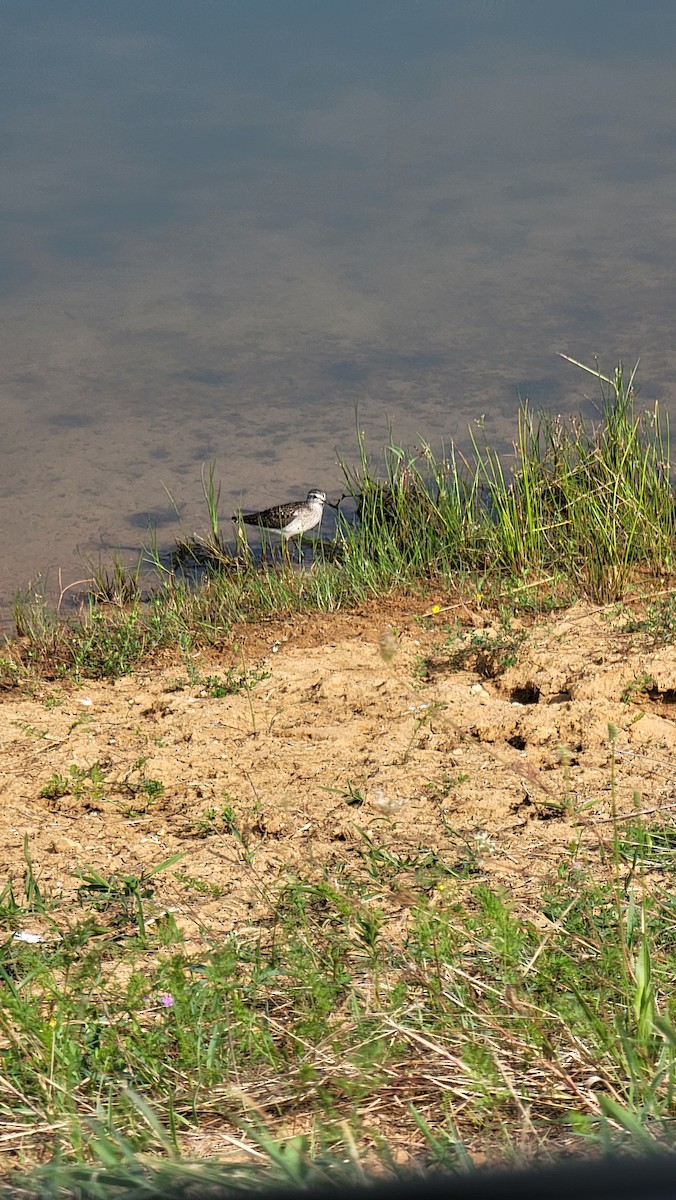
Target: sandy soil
333, 746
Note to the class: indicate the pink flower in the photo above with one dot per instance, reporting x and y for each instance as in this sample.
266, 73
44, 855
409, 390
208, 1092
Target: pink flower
167, 1000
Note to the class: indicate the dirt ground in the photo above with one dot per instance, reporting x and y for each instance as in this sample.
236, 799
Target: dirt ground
359, 731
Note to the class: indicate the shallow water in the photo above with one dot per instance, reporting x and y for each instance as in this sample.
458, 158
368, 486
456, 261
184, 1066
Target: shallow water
224, 226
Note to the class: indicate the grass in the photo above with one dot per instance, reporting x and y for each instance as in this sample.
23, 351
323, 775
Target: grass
392, 990
585, 508
471, 1027
488, 651
658, 626
589, 501
91, 783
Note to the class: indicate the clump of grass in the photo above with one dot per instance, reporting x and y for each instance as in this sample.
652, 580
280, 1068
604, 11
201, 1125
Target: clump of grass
209, 553
638, 686
593, 499
234, 681
125, 894
74, 783
11, 671
658, 625
91, 783
39, 626
489, 651
197, 553
118, 585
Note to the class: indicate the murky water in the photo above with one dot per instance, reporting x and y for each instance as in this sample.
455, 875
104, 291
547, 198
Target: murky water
224, 225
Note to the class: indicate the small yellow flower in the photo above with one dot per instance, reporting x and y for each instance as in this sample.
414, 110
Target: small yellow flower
436, 608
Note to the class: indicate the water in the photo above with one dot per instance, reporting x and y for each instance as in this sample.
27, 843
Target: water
223, 225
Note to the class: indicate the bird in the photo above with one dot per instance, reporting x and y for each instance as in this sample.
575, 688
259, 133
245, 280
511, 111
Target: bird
289, 520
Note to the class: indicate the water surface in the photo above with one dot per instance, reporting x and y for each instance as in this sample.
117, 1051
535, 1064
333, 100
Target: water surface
223, 225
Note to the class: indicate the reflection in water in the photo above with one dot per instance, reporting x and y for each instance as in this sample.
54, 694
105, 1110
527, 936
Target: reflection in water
220, 235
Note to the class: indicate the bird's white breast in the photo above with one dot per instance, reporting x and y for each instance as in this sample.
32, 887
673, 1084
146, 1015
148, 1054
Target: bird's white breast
307, 519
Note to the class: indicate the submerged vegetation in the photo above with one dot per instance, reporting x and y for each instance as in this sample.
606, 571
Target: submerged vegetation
586, 508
